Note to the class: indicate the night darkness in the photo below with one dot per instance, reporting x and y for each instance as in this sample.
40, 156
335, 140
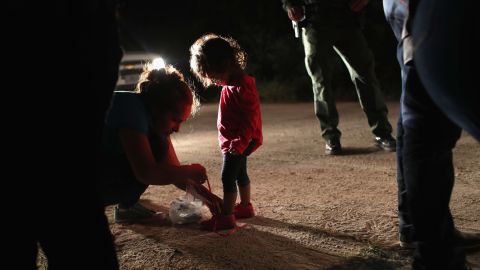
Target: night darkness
262, 29
62, 62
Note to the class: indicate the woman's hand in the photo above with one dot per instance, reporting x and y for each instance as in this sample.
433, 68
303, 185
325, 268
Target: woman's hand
197, 173
212, 201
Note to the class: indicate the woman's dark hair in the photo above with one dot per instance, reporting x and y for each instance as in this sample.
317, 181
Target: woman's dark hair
165, 90
212, 53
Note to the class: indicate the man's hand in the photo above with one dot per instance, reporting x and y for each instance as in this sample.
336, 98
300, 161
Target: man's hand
358, 5
295, 13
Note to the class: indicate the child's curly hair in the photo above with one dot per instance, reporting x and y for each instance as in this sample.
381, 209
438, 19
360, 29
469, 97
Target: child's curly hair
165, 90
212, 53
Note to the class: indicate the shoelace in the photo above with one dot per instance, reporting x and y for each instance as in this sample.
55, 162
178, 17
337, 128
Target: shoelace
231, 231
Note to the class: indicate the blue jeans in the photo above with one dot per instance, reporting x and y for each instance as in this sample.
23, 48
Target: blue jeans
425, 177
395, 13
118, 184
429, 137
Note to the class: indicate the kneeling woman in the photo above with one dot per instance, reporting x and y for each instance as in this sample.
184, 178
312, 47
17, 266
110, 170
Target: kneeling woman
137, 150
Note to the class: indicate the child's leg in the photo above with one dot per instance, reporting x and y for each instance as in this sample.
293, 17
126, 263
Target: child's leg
244, 184
244, 194
245, 208
229, 199
243, 181
230, 171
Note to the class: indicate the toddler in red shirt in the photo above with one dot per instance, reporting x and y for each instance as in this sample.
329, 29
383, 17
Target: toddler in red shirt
217, 60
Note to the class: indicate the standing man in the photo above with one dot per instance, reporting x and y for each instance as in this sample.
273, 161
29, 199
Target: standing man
72, 49
424, 159
335, 24
443, 35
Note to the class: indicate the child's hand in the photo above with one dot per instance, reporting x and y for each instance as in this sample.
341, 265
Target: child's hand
198, 173
234, 152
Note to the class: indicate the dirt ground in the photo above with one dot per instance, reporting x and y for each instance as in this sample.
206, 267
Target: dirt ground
313, 211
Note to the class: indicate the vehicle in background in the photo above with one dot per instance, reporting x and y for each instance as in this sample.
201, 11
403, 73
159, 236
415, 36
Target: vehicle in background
131, 66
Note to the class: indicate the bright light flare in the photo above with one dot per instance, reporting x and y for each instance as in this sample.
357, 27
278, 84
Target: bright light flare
158, 63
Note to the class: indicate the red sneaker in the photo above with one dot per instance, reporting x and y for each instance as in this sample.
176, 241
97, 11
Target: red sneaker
219, 222
241, 211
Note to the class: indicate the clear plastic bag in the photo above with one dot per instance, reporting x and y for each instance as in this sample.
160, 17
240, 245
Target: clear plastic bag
187, 209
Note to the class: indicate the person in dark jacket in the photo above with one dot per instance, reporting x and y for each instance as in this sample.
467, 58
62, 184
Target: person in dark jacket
65, 58
424, 158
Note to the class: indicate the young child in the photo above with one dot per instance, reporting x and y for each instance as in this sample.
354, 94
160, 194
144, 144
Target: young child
137, 149
219, 60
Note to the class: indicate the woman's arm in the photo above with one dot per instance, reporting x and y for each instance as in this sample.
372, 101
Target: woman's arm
172, 155
148, 171
211, 200
172, 159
